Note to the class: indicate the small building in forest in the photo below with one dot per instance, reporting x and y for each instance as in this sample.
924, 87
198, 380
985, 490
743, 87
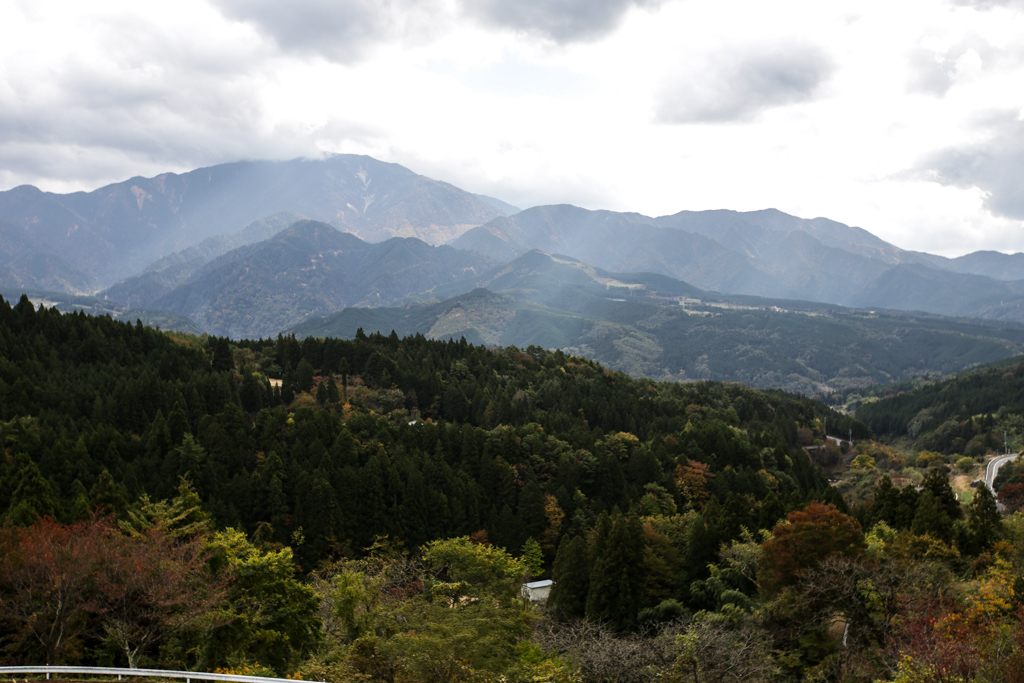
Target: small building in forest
537, 591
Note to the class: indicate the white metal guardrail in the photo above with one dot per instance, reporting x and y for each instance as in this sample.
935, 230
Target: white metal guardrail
152, 673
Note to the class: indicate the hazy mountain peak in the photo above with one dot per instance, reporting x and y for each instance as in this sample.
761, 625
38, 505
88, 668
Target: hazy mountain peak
118, 229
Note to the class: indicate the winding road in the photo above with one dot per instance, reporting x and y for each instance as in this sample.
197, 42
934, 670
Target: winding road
992, 470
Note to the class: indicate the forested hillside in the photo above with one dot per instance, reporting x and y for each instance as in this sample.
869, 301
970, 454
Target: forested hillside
371, 516
968, 413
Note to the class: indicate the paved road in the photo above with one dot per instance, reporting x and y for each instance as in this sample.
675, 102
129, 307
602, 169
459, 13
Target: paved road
993, 468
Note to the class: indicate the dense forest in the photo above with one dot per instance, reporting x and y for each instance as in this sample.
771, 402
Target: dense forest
366, 509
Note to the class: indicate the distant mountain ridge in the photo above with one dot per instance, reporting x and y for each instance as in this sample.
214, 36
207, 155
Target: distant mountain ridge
650, 325
146, 237
763, 253
310, 269
27, 263
168, 272
116, 231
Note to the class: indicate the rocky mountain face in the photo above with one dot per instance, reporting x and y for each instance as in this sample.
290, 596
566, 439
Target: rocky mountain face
118, 230
311, 269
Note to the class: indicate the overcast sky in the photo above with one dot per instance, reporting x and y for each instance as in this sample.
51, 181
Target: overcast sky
904, 118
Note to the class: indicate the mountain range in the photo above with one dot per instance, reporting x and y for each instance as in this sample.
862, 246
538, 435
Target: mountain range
117, 230
651, 325
764, 253
310, 269
322, 246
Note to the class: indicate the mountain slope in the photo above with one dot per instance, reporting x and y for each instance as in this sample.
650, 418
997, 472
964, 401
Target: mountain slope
26, 262
764, 253
311, 269
621, 242
115, 231
919, 288
481, 316
991, 264
650, 325
168, 272
67, 303
567, 284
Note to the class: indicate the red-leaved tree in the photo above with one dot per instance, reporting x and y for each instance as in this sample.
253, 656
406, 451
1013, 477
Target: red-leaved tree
151, 585
46, 575
812, 534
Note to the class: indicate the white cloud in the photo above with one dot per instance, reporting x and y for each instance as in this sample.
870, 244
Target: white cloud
545, 102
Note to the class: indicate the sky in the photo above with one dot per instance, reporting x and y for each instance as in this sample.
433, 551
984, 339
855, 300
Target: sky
905, 119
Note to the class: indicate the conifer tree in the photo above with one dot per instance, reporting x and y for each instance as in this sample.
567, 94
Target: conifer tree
532, 558
615, 581
110, 497
931, 518
983, 520
31, 495
571, 574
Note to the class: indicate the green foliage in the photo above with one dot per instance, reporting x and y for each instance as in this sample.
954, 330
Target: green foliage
532, 558
969, 413
270, 617
438, 440
469, 569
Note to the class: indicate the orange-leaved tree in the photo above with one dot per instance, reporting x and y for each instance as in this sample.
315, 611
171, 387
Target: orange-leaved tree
809, 536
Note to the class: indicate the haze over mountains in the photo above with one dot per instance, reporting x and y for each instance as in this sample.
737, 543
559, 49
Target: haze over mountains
655, 326
257, 248
118, 230
763, 253
311, 269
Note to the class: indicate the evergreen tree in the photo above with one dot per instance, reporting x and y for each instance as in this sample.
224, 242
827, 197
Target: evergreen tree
304, 376
251, 394
615, 591
222, 360
571, 574
109, 496
937, 481
31, 495
931, 518
532, 558
983, 520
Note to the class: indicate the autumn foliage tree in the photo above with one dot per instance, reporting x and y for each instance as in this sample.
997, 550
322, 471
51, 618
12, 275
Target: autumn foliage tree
808, 537
151, 585
61, 583
46, 573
